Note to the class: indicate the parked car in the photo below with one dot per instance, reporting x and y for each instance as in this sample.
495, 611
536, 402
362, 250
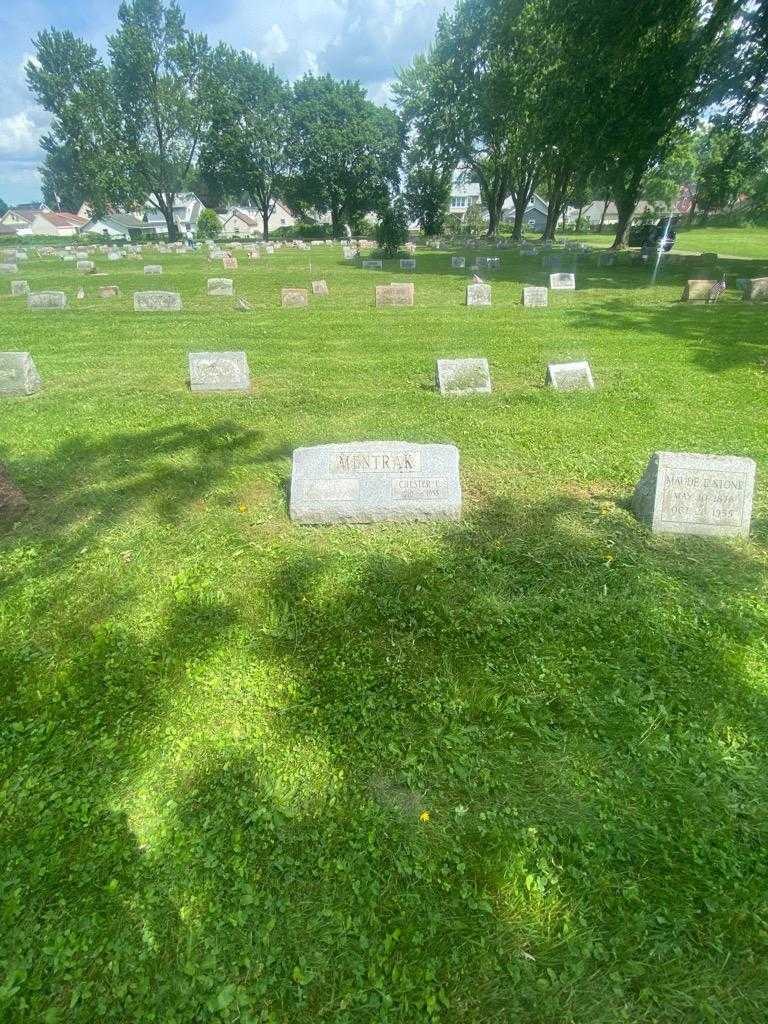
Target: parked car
649, 236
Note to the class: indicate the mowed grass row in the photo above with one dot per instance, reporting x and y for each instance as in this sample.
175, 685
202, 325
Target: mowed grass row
508, 769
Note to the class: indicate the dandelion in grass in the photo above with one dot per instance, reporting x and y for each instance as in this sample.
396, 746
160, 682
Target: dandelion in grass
424, 816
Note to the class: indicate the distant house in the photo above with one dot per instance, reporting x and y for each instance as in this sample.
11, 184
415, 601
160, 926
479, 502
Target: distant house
64, 225
17, 217
466, 194
86, 210
241, 220
116, 226
535, 218
186, 212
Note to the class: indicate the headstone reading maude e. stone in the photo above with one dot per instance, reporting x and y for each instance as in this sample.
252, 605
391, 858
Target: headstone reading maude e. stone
708, 495
533, 296
375, 481
478, 295
18, 374
221, 286
319, 288
19, 288
697, 290
756, 289
395, 294
569, 376
153, 268
458, 262
291, 297
562, 282
408, 264
463, 376
218, 371
156, 302
46, 300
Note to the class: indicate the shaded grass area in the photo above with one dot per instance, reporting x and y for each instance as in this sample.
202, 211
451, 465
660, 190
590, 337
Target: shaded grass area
220, 733
748, 243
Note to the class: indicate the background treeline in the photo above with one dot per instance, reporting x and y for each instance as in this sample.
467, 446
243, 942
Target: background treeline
574, 99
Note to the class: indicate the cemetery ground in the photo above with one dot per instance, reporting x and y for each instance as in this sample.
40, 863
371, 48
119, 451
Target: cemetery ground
513, 768
746, 242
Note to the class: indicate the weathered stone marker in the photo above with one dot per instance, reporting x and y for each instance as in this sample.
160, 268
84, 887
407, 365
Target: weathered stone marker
113, 256
707, 495
221, 286
372, 264
569, 376
9, 268
18, 374
348, 252
19, 288
156, 302
533, 296
85, 266
562, 282
229, 263
463, 376
46, 300
109, 291
458, 262
219, 371
375, 481
478, 295
697, 291
395, 294
408, 264
319, 288
153, 268
756, 289
294, 297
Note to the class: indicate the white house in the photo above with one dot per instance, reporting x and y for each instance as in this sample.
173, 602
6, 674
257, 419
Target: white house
242, 220
63, 225
115, 226
186, 211
21, 216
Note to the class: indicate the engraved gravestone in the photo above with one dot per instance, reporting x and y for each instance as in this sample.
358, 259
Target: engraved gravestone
408, 264
458, 262
375, 481
218, 371
85, 266
533, 296
395, 294
156, 302
569, 376
221, 286
9, 268
46, 300
756, 289
229, 263
348, 252
294, 297
269, 249
372, 265
697, 290
706, 495
19, 288
153, 268
478, 295
113, 256
18, 374
109, 291
463, 376
562, 282
319, 288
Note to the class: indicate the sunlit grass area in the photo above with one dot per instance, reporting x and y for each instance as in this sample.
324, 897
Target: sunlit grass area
511, 769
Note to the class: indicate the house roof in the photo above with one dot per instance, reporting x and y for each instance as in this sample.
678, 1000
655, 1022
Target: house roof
63, 220
24, 212
123, 221
31, 207
246, 218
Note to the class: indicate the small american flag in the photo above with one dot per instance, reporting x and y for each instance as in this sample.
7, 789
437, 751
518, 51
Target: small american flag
717, 290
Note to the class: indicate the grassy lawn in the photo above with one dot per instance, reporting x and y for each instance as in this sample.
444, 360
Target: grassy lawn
220, 732
749, 243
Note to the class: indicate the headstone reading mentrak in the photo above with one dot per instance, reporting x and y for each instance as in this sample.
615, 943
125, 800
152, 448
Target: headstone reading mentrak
372, 265
18, 374
697, 291
375, 481
156, 302
319, 288
408, 264
153, 268
221, 286
458, 262
535, 296
294, 297
463, 377
706, 495
569, 376
109, 291
219, 371
562, 282
395, 294
756, 289
19, 288
478, 295
46, 300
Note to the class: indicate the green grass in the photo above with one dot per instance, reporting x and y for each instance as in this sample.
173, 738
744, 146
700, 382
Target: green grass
749, 243
220, 731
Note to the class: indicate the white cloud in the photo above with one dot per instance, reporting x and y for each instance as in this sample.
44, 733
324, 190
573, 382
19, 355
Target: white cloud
19, 136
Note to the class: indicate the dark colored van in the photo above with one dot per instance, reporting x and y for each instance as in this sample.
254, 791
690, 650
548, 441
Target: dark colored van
649, 236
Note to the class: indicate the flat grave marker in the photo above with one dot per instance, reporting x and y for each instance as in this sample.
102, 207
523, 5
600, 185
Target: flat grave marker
219, 371
220, 286
697, 291
394, 294
46, 300
408, 264
19, 288
375, 481
109, 291
478, 295
756, 289
9, 268
18, 374
535, 296
458, 262
153, 268
570, 376
294, 297
562, 282
319, 288
463, 377
85, 266
156, 302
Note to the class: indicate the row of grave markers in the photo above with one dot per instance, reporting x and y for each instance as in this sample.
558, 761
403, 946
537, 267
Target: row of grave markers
397, 481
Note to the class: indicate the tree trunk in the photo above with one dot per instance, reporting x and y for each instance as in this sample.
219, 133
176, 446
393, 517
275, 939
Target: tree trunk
517, 227
603, 214
578, 219
692, 211
265, 212
336, 222
626, 207
165, 206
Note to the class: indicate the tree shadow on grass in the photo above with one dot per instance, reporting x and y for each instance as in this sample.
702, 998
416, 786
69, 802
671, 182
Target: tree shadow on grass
576, 705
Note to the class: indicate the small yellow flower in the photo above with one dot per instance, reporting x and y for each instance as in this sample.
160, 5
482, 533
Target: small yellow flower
242, 508
424, 816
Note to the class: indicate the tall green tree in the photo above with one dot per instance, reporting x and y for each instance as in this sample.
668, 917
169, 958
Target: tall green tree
345, 150
245, 151
427, 190
133, 126
62, 185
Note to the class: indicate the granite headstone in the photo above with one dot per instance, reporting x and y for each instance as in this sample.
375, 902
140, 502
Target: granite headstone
569, 376
463, 376
218, 371
156, 302
18, 374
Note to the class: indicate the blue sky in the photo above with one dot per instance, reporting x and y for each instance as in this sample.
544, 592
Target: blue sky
362, 39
